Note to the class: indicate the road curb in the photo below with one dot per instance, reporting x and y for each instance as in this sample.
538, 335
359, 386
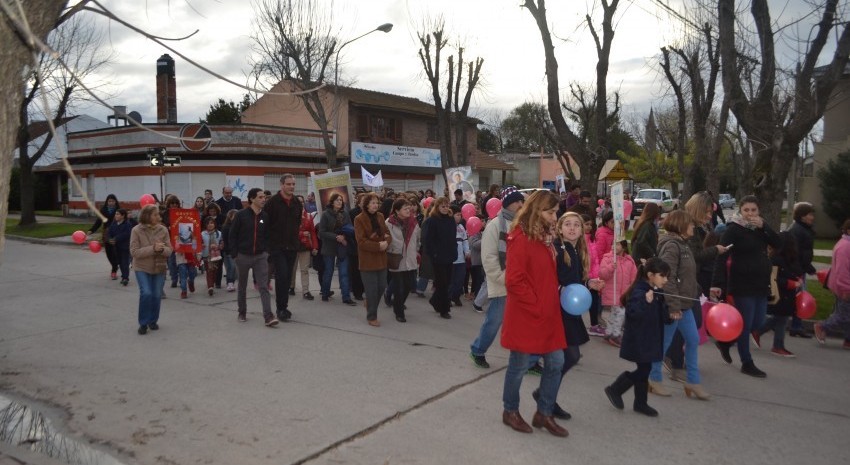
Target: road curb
35, 240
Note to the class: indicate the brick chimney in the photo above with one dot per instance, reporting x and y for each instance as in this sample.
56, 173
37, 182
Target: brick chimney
166, 90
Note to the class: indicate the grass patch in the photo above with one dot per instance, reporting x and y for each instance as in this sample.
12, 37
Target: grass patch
825, 244
44, 230
823, 297
56, 213
827, 260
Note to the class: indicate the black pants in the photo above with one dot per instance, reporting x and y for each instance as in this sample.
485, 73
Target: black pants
641, 374
595, 307
123, 258
477, 272
283, 262
354, 278
676, 351
442, 278
111, 255
572, 354
403, 283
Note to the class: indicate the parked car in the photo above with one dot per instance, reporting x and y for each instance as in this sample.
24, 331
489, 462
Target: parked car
726, 201
661, 197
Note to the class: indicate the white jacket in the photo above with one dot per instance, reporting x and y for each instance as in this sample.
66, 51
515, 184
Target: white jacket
490, 258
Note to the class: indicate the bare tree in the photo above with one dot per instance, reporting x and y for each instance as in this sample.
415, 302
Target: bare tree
78, 44
295, 41
449, 109
590, 158
776, 119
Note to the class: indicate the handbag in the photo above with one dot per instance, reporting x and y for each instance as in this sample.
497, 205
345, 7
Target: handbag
394, 260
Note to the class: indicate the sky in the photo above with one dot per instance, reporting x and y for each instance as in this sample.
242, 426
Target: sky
500, 31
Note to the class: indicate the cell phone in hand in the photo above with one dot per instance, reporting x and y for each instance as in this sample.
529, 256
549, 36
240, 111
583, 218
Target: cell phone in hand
729, 246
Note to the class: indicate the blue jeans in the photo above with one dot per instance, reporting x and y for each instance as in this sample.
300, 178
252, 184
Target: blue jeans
172, 268
688, 327
490, 326
753, 310
150, 296
342, 269
186, 271
230, 268
517, 366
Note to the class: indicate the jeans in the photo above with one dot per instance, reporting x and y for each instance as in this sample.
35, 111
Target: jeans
458, 278
676, 351
283, 261
777, 325
230, 268
490, 326
753, 310
421, 285
374, 285
518, 365
839, 319
150, 296
123, 257
328, 274
688, 327
260, 265
186, 272
172, 268
403, 283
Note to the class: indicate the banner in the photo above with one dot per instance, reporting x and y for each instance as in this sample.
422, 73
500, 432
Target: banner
395, 155
619, 211
371, 180
460, 177
185, 231
560, 184
328, 183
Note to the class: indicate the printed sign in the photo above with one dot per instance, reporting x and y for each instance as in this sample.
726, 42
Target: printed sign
185, 229
461, 178
395, 155
327, 184
619, 211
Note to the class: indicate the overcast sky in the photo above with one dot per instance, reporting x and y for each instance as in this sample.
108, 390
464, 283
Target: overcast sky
501, 32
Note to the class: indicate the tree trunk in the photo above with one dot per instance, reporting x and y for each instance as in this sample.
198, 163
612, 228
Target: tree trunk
41, 17
27, 197
769, 175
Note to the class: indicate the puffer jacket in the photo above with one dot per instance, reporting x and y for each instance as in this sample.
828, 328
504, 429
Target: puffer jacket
682, 280
142, 239
626, 274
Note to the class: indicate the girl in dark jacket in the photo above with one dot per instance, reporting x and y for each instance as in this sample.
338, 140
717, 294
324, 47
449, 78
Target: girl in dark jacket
110, 206
439, 243
119, 239
789, 281
643, 334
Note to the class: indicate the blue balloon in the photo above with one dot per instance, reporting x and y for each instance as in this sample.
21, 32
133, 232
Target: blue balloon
575, 299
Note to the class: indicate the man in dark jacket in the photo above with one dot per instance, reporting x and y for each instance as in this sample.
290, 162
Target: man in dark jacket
284, 212
228, 201
248, 243
804, 236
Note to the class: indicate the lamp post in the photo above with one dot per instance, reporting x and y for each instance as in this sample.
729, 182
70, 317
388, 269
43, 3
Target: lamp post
386, 27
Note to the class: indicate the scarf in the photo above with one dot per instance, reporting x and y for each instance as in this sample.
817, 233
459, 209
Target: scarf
505, 216
373, 220
407, 226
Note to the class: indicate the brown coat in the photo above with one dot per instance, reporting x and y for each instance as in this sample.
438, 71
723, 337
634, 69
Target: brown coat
372, 258
142, 239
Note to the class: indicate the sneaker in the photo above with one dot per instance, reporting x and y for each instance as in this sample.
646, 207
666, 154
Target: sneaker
143, 330
113, 276
210, 291
782, 353
308, 296
272, 322
124, 282
191, 286
820, 333
596, 330
536, 370
242, 318
291, 291
479, 360
756, 338
183, 295
230, 287
477, 308
350, 303
153, 326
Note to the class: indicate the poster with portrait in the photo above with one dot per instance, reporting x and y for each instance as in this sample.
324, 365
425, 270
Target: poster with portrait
619, 210
185, 231
326, 184
460, 177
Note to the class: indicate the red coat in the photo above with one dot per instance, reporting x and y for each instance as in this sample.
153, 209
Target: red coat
307, 236
532, 322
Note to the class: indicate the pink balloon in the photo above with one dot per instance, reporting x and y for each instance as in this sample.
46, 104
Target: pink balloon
474, 225
806, 305
468, 211
724, 322
79, 237
94, 246
600, 202
426, 202
146, 199
494, 206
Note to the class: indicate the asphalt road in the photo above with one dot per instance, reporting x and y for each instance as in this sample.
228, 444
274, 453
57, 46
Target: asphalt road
329, 389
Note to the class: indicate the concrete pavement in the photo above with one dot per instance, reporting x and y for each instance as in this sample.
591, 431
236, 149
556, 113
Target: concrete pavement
328, 388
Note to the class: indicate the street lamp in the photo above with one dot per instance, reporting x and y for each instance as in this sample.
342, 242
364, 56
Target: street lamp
386, 27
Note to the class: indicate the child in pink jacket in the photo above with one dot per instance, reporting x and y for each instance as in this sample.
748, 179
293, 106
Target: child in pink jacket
626, 272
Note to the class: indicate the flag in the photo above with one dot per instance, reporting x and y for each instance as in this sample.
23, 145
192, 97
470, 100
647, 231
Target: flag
371, 181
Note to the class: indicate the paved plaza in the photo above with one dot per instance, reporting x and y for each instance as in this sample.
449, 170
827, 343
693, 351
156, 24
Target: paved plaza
326, 388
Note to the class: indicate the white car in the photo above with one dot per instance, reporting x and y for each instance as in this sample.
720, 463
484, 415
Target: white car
661, 197
726, 201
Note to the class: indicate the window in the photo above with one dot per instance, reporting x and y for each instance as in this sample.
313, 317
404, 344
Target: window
433, 134
378, 128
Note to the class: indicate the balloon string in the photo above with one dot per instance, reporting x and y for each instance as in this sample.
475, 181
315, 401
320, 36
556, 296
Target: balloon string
679, 296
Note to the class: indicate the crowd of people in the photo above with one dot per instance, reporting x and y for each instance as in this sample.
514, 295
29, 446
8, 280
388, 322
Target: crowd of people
646, 295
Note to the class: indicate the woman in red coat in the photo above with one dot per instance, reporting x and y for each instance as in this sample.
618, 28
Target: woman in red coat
532, 322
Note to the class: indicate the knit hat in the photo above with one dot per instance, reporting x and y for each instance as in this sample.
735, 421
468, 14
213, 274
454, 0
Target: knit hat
510, 194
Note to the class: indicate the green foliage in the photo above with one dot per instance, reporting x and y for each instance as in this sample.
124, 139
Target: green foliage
488, 141
835, 188
223, 112
528, 128
43, 230
654, 169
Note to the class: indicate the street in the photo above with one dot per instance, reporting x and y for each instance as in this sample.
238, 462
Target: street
328, 388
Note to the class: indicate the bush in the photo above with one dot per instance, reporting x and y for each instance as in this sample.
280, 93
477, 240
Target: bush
835, 189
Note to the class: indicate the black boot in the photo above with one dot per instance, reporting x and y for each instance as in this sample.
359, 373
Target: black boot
640, 405
557, 411
749, 368
615, 391
724, 347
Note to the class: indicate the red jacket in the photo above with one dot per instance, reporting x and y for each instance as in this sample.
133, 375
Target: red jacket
532, 322
307, 237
